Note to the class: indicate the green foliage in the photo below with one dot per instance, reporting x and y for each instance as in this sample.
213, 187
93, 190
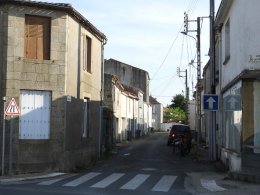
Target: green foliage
177, 111
174, 115
179, 101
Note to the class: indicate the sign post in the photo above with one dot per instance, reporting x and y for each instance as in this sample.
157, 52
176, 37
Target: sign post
3, 139
12, 110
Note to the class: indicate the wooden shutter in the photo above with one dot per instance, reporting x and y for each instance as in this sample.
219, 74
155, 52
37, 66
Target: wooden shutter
37, 37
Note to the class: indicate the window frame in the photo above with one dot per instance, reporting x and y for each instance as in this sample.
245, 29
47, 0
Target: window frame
87, 52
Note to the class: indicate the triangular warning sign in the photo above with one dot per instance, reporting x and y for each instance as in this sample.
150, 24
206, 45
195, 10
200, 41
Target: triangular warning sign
12, 108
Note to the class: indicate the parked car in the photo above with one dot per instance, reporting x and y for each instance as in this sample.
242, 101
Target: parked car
179, 130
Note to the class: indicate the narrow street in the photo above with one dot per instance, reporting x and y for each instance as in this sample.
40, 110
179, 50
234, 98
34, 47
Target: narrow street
143, 166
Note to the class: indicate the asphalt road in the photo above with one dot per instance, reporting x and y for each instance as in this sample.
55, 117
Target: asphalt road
143, 166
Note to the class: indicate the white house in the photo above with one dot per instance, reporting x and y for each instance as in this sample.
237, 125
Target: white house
157, 114
126, 114
238, 65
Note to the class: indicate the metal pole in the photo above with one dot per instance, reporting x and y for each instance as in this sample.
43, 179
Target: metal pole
11, 146
3, 142
212, 130
186, 84
198, 94
198, 50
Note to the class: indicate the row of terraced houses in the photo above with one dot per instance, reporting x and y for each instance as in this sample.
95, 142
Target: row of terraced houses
73, 104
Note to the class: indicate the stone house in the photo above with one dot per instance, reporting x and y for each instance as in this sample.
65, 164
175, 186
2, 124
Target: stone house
238, 65
51, 63
137, 79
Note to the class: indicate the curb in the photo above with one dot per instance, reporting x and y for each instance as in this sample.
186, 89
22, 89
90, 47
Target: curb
18, 178
245, 177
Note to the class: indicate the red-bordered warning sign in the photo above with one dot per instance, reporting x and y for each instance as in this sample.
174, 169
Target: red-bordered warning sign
12, 108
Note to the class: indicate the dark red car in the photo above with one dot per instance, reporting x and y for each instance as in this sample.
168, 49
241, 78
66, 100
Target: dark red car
179, 130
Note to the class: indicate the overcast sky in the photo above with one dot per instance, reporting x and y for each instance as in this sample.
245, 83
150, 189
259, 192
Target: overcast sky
146, 34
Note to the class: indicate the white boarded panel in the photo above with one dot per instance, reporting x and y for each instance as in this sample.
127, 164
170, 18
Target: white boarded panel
35, 114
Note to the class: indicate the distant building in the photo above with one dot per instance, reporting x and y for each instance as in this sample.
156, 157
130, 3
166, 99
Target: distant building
129, 75
121, 110
137, 79
192, 114
157, 113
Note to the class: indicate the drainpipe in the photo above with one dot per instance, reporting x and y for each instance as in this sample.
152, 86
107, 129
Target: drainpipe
104, 41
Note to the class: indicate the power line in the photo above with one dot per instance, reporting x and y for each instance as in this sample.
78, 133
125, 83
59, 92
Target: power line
167, 54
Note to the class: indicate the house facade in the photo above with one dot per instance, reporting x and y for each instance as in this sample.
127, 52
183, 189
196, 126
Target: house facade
129, 75
238, 64
138, 80
121, 103
51, 63
157, 114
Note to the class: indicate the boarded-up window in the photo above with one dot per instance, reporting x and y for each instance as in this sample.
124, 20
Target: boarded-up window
35, 109
87, 54
37, 37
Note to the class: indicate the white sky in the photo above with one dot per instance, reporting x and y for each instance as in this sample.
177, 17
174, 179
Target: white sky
146, 34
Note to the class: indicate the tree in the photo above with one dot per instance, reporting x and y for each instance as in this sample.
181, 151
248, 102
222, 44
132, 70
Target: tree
174, 115
179, 101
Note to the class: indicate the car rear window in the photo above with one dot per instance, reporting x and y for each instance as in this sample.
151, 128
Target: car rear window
180, 128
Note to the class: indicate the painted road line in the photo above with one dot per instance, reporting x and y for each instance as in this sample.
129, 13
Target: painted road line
108, 180
135, 182
211, 185
53, 181
164, 184
82, 179
50, 182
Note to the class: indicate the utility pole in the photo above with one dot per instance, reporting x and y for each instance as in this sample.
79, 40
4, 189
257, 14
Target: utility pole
198, 90
186, 81
198, 86
212, 130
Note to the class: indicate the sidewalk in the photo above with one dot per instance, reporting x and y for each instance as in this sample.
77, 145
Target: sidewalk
219, 181
245, 175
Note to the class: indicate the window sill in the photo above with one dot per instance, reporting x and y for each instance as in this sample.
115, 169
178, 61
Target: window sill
88, 73
38, 61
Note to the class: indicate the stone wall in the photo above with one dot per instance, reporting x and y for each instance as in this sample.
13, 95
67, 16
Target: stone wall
65, 149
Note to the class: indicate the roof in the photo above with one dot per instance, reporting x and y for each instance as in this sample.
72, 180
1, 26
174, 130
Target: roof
130, 91
153, 100
66, 7
222, 11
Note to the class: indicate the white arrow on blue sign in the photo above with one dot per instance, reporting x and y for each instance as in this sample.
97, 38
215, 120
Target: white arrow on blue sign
210, 102
232, 103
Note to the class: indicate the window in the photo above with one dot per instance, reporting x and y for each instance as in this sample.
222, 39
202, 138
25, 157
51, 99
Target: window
86, 118
37, 38
227, 42
87, 54
35, 109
